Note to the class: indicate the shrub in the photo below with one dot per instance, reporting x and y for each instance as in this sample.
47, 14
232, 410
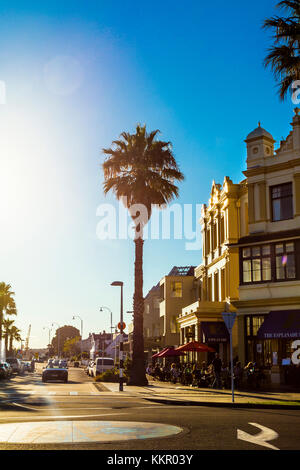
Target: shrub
111, 375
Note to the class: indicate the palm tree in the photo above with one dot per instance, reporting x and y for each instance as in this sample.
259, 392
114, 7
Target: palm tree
7, 304
7, 324
141, 171
284, 56
14, 335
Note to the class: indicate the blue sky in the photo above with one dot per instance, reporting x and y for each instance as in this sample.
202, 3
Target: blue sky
79, 73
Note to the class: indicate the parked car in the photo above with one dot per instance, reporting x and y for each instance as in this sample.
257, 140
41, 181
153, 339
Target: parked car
54, 372
9, 369
26, 365
16, 365
63, 364
3, 371
101, 365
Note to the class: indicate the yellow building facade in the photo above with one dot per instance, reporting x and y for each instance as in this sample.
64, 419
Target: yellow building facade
223, 222
268, 307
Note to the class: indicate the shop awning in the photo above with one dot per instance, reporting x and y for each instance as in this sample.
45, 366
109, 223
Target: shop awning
215, 332
280, 324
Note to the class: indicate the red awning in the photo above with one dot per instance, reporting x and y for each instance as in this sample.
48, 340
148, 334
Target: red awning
195, 346
170, 352
159, 352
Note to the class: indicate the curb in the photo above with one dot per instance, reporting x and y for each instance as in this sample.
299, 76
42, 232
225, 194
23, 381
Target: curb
224, 405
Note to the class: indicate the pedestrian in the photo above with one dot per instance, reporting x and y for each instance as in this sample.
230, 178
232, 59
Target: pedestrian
188, 375
32, 365
174, 373
225, 376
217, 367
203, 375
196, 375
157, 372
250, 371
238, 375
149, 370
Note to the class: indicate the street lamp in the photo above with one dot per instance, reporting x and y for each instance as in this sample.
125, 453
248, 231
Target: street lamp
120, 284
111, 325
49, 335
76, 316
57, 337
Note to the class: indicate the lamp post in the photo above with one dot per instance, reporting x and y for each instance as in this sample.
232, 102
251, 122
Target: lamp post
111, 325
49, 336
57, 337
120, 284
81, 328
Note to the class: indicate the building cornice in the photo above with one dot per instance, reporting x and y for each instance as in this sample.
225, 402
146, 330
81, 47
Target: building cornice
269, 302
272, 168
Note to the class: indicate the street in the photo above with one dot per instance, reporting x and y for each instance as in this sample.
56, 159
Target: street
104, 420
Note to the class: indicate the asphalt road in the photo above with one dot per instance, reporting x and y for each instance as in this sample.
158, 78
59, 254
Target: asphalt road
26, 399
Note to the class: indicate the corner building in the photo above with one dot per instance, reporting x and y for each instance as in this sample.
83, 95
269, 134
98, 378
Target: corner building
268, 305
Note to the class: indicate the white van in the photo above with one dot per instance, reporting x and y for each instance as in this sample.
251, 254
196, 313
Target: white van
102, 364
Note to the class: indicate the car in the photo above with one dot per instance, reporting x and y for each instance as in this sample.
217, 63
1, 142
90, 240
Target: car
55, 372
3, 371
63, 364
9, 369
16, 365
26, 365
101, 365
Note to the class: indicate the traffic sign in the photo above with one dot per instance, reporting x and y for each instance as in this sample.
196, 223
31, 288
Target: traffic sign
229, 319
123, 327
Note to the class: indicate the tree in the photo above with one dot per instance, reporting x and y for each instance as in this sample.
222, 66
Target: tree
7, 324
7, 304
140, 171
71, 346
63, 334
14, 336
284, 57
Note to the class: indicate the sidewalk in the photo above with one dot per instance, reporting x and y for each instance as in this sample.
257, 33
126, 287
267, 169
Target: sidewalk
177, 394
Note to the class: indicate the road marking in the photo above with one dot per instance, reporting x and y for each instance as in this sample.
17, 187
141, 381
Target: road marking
261, 438
41, 417
51, 393
73, 393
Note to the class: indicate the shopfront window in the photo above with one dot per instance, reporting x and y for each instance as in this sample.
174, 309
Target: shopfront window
257, 351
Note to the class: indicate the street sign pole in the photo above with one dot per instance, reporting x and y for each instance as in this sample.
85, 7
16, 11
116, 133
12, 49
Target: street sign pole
121, 359
229, 319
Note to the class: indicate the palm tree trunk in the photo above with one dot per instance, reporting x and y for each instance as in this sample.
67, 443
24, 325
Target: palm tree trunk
137, 373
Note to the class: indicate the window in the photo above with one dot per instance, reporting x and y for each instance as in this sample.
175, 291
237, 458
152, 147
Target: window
174, 328
209, 289
176, 289
282, 202
214, 236
273, 262
147, 308
208, 241
222, 230
216, 286
256, 263
285, 261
